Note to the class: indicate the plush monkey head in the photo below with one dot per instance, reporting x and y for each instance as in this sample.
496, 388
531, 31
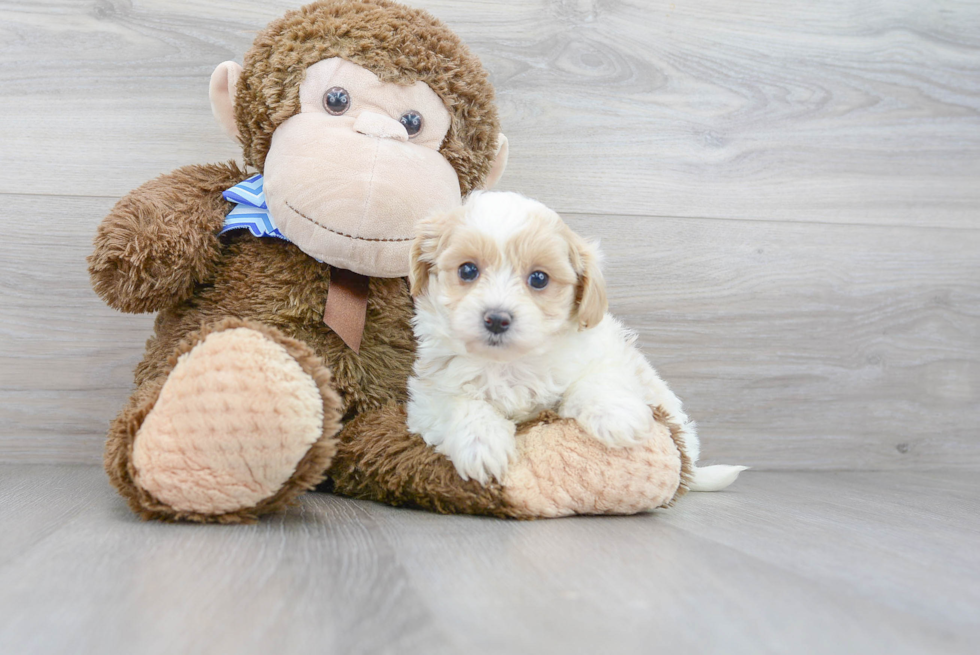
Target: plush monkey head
364, 116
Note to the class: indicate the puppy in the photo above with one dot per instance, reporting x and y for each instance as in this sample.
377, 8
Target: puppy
511, 320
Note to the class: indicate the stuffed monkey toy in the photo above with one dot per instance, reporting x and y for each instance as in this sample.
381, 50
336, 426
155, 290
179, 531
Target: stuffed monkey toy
283, 340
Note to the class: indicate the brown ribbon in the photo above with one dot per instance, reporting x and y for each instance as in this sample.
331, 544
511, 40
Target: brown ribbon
346, 309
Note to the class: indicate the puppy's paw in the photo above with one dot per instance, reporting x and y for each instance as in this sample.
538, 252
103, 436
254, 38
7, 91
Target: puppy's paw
615, 422
481, 450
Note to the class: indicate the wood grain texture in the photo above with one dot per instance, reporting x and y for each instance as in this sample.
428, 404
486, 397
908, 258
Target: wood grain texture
786, 193
782, 562
808, 346
66, 359
792, 345
308, 582
837, 111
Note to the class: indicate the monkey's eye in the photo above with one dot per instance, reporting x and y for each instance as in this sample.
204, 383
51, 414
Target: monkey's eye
412, 120
537, 280
336, 100
468, 272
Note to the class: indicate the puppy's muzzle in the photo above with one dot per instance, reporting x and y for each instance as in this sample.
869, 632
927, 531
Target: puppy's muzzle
497, 322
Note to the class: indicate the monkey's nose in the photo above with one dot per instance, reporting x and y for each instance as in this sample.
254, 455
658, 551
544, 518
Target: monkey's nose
497, 322
381, 126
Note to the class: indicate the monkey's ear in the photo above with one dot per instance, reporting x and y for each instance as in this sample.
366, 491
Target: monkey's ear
224, 81
431, 236
499, 163
590, 292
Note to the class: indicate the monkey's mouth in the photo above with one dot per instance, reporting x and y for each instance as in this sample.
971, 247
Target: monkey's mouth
344, 234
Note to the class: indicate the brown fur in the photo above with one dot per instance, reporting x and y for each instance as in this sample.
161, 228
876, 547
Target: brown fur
272, 282
158, 250
687, 467
378, 459
268, 282
398, 44
431, 235
439, 246
590, 294
544, 245
309, 472
161, 240
445, 243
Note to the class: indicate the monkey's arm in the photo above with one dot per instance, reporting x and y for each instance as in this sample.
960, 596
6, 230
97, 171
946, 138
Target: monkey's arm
162, 238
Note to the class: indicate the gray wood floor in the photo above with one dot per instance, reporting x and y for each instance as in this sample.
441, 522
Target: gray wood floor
784, 562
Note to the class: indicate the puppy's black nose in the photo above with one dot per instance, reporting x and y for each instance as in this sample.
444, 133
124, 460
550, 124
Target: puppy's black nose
497, 322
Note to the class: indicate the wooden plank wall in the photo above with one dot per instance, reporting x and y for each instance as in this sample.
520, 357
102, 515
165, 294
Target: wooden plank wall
788, 195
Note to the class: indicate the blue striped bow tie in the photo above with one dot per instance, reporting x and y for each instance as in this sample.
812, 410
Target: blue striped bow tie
250, 211
345, 311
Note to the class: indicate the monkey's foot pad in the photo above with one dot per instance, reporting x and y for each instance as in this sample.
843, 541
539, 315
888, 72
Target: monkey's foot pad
559, 471
232, 422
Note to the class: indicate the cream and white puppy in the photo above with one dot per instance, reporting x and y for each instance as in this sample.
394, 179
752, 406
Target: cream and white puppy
511, 320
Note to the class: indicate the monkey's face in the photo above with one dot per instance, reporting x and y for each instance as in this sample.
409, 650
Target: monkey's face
351, 162
347, 178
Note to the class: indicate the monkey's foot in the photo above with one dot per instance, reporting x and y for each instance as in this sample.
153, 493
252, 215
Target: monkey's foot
559, 470
244, 423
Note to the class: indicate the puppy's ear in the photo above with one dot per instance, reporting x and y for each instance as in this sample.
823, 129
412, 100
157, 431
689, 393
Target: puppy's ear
590, 292
431, 236
418, 274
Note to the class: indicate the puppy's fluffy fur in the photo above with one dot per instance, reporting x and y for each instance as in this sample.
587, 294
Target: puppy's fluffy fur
494, 350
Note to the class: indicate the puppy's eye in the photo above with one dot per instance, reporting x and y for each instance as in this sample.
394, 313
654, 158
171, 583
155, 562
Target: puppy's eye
412, 120
336, 100
537, 280
468, 272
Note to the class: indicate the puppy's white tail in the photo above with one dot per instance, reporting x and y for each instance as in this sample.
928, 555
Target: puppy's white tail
714, 478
